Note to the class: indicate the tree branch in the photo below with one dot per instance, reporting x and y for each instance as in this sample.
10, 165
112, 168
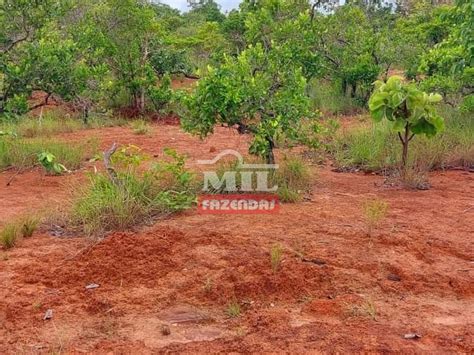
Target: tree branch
108, 165
44, 103
401, 138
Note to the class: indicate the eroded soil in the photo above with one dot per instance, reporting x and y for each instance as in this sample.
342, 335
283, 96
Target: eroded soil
337, 289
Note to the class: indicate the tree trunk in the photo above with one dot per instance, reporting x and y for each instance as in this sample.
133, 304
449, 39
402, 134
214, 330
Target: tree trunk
405, 142
344, 87
141, 106
354, 90
85, 116
270, 157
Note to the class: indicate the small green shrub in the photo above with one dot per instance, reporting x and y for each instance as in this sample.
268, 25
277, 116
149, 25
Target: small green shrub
103, 206
467, 105
9, 236
409, 110
49, 163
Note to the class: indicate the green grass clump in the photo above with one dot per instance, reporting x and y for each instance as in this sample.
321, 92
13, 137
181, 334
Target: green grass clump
141, 127
23, 153
375, 211
328, 98
293, 179
233, 309
48, 125
9, 236
103, 206
276, 253
28, 224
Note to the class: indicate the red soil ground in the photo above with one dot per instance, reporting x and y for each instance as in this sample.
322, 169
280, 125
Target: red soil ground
338, 290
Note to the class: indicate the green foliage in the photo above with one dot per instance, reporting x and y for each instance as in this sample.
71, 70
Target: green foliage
258, 91
449, 64
327, 97
162, 95
208, 10
49, 163
23, 154
353, 47
47, 126
104, 206
410, 110
373, 147
467, 105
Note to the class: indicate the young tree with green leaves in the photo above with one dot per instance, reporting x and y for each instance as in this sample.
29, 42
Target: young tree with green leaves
410, 110
260, 92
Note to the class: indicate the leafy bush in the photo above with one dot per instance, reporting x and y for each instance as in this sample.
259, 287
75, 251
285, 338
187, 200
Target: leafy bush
467, 105
104, 206
410, 111
162, 95
49, 163
262, 92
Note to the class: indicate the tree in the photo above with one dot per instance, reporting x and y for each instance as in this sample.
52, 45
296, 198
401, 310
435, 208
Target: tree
21, 19
22, 22
355, 43
449, 64
410, 110
207, 10
260, 92
124, 35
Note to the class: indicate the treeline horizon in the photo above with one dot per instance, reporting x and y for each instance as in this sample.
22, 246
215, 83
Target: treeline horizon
101, 55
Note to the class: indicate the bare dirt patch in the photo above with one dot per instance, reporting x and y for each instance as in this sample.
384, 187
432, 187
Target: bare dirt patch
337, 290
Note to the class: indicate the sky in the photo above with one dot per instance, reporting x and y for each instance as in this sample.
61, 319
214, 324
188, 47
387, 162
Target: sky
182, 4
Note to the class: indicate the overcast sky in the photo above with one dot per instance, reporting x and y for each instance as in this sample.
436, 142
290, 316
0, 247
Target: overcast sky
182, 4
